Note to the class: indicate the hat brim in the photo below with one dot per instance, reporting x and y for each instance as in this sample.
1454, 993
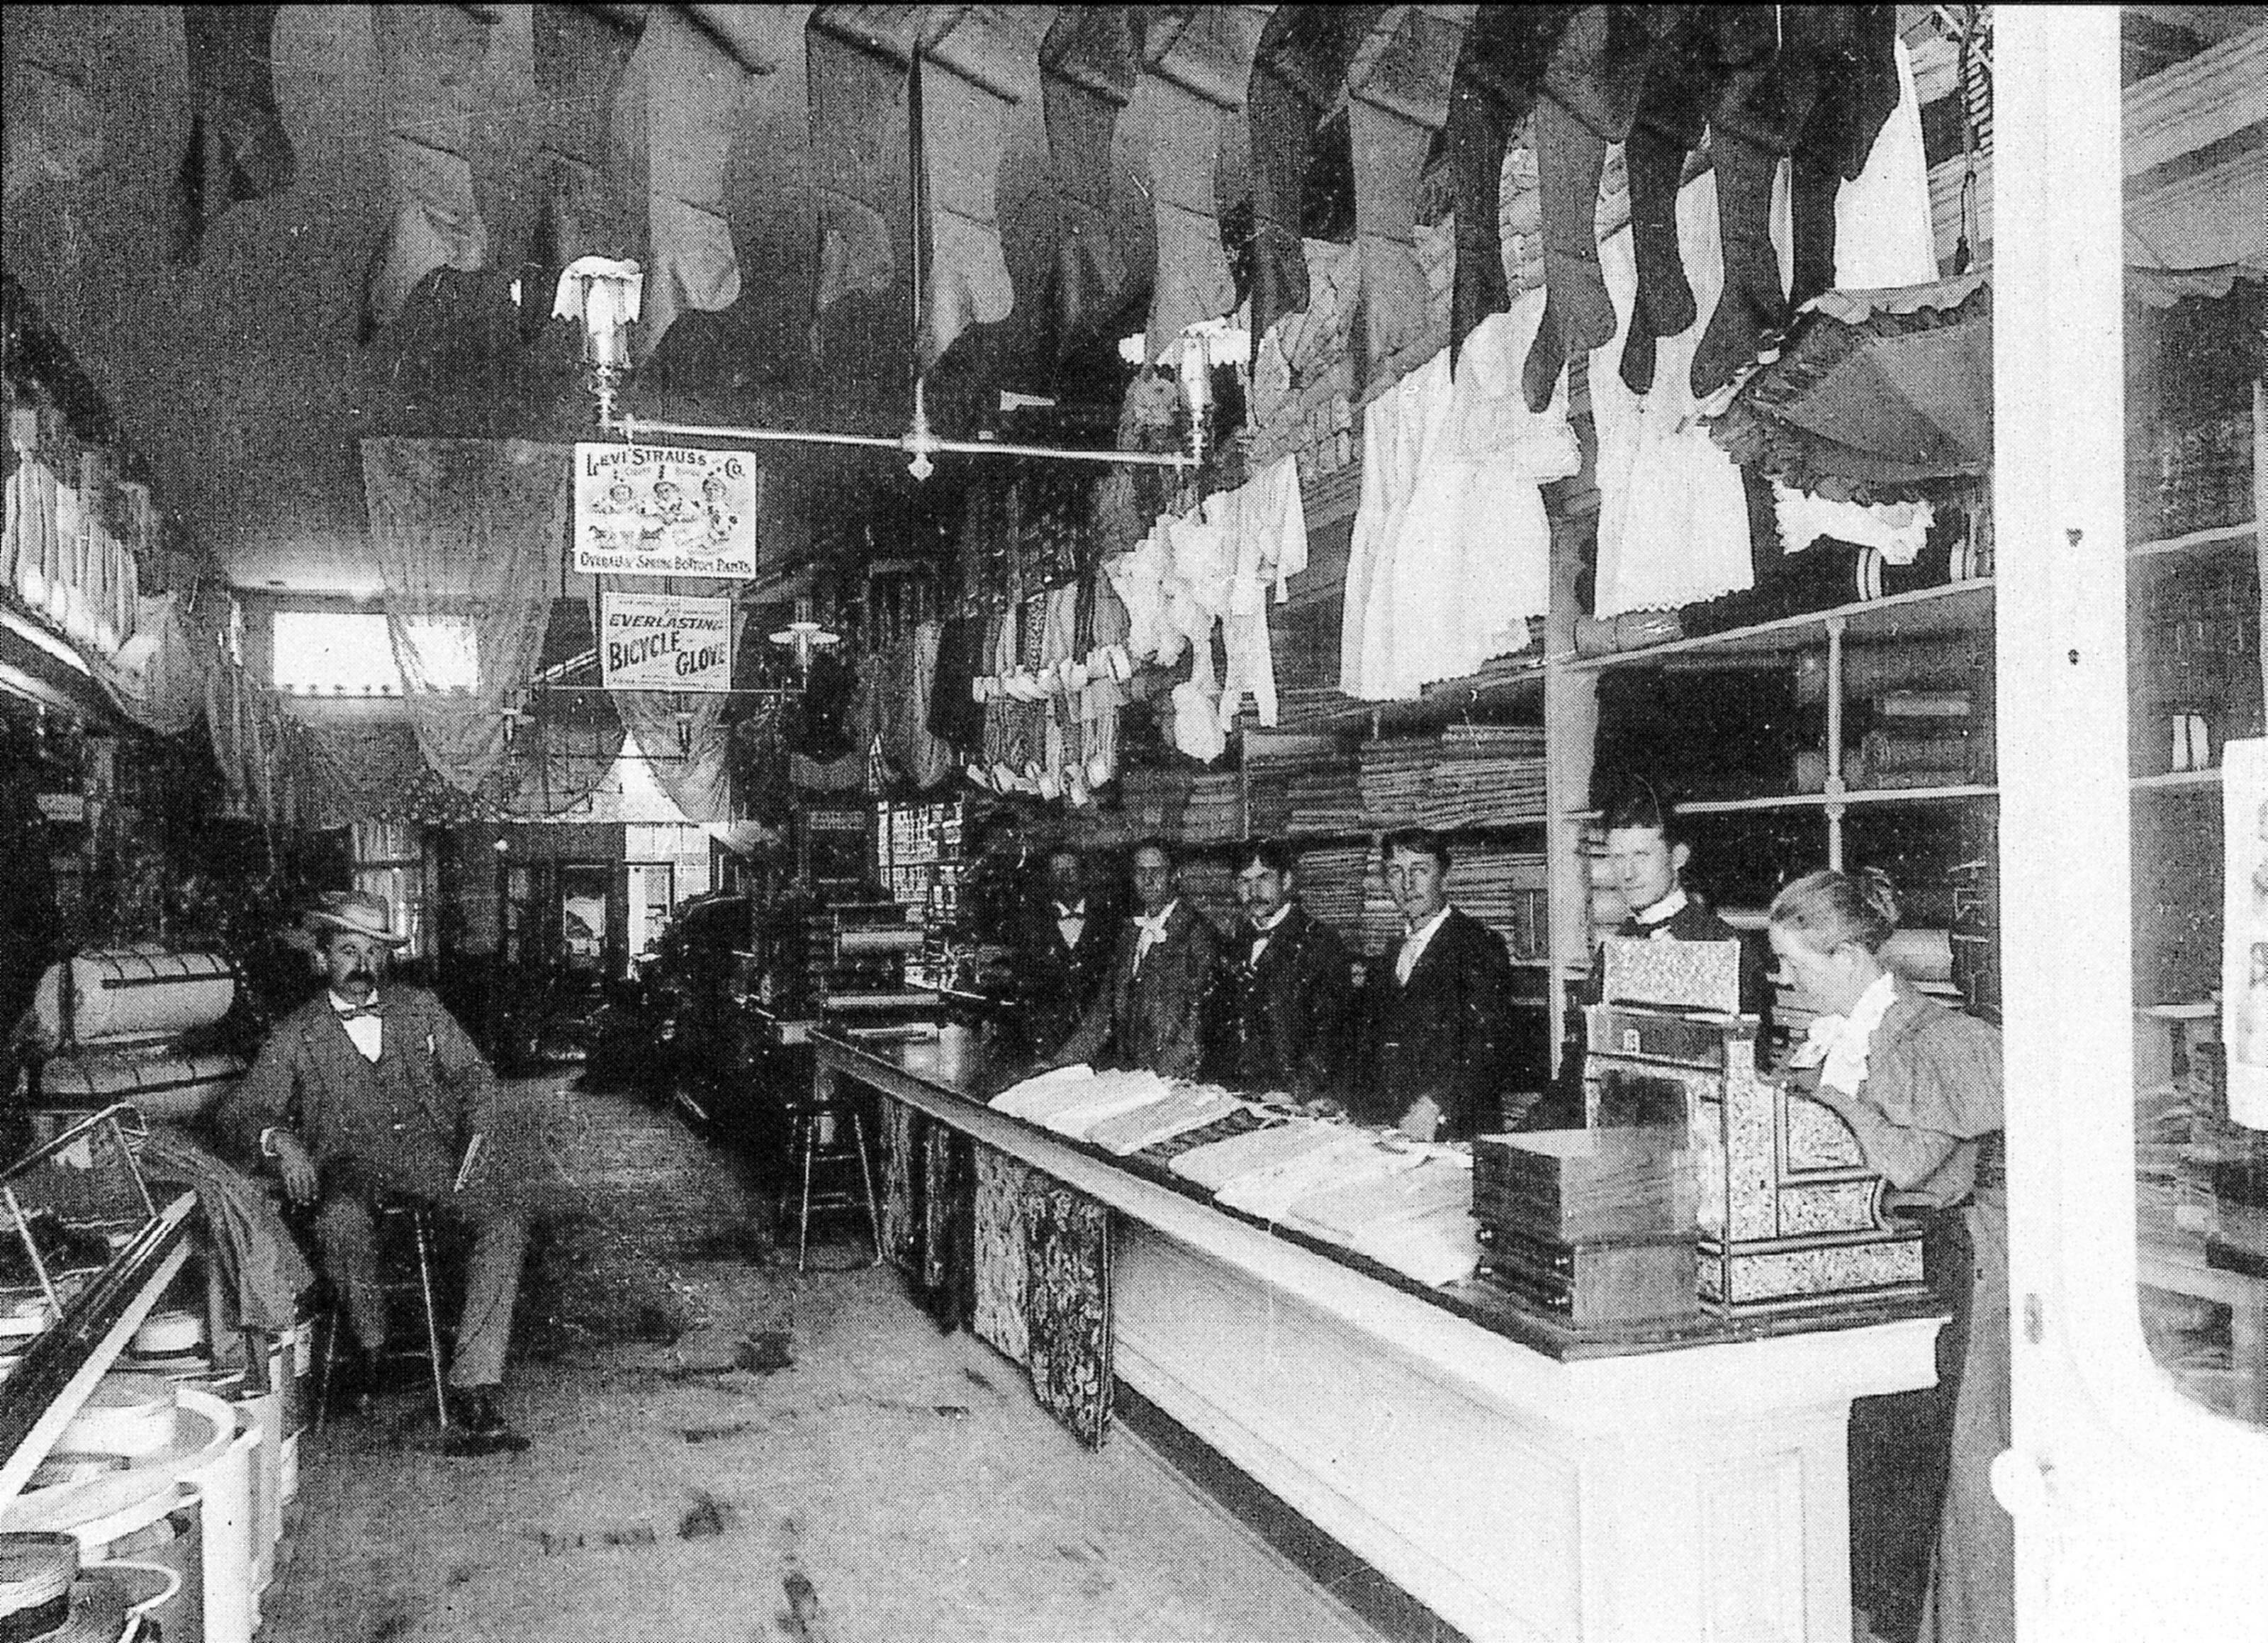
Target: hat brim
319, 920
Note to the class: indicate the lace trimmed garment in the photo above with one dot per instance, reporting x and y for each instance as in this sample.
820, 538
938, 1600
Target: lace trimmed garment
1397, 427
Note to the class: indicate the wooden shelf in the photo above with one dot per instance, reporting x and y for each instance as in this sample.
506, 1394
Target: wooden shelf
1926, 612
2213, 538
1440, 702
1857, 796
2176, 779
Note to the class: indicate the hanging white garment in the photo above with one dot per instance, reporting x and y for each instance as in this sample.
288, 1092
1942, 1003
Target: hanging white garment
1883, 234
1474, 560
1398, 428
1673, 517
1138, 578
1883, 237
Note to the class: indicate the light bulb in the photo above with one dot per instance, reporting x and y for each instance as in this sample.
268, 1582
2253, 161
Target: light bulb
921, 467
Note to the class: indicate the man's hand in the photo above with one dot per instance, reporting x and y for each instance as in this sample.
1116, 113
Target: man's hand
1422, 1120
297, 1168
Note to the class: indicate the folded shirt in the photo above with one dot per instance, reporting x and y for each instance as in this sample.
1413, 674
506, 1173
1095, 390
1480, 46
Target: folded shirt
1438, 1248
1105, 1096
1042, 1091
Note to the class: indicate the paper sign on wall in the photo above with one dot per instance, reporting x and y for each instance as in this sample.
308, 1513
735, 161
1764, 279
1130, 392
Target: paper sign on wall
665, 642
644, 510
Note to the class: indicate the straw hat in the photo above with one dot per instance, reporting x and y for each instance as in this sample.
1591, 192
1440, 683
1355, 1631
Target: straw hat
357, 912
45, 1599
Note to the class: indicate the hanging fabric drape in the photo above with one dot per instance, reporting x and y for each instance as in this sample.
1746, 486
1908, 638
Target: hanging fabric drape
1397, 98
1194, 70
683, 735
692, 90
443, 71
237, 149
157, 679
347, 771
1088, 63
465, 534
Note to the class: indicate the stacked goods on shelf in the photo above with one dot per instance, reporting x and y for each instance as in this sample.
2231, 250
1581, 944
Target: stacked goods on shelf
1594, 1225
1213, 813
2193, 682
1331, 879
1324, 798
2191, 475
1392, 776
1507, 890
1152, 801
1267, 800
1921, 739
1485, 774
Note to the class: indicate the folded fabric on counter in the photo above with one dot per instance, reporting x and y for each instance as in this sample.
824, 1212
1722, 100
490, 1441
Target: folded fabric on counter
1238, 1121
1439, 1247
1190, 1108
1044, 1091
1361, 1156
1341, 1214
1211, 1167
1107, 1096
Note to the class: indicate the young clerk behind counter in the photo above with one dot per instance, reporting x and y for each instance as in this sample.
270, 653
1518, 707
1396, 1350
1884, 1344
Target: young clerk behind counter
1646, 853
1287, 1025
1152, 1010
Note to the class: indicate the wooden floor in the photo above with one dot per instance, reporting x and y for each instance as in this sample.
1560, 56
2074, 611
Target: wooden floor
725, 1449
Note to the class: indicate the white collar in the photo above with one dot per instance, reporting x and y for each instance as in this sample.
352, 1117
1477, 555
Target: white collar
1425, 932
1837, 1044
1269, 929
1665, 910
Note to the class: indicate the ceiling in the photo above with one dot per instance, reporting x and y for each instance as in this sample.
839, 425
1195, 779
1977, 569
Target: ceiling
243, 379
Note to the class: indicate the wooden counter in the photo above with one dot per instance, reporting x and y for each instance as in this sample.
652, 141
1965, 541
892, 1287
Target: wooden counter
1521, 1480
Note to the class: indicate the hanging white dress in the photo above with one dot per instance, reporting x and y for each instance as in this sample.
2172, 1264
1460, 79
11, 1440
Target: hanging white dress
1673, 517
1474, 559
1397, 427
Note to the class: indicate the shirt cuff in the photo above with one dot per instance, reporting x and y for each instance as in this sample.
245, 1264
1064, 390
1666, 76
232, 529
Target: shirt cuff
268, 1141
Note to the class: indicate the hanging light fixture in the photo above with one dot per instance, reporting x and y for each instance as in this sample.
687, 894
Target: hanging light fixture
804, 636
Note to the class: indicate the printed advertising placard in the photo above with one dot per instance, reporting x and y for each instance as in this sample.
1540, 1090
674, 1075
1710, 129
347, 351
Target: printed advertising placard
646, 510
665, 642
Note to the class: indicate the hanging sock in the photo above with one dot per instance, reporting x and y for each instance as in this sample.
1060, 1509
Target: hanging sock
1854, 49
1655, 164
1500, 68
1752, 305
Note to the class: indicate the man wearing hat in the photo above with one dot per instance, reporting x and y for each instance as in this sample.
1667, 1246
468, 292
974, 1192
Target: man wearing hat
364, 1094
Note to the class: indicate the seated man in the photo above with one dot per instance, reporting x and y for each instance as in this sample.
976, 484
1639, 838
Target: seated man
359, 1097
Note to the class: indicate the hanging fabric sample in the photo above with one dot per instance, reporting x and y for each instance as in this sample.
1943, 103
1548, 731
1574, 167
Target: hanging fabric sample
1195, 68
1088, 61
900, 1167
435, 220
237, 149
1397, 98
465, 534
1003, 1256
1673, 515
1298, 71
1067, 1306
692, 90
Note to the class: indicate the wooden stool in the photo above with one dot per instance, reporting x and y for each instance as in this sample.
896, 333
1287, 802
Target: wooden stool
418, 1219
815, 1141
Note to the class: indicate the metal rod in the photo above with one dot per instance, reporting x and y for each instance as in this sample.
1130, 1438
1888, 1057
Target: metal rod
631, 427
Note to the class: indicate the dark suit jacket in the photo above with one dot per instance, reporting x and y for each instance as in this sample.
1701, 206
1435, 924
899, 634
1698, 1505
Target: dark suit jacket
1057, 983
310, 1078
1153, 1018
1290, 1020
1446, 1033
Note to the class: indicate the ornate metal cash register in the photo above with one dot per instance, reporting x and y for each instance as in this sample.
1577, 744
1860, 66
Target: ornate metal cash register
1790, 1216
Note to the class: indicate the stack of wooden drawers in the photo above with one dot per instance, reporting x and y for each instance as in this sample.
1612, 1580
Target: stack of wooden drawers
1596, 1226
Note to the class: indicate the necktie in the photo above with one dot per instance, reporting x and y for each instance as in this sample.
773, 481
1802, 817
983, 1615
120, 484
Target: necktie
1151, 931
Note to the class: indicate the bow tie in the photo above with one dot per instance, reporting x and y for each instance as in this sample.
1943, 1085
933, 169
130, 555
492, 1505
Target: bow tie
356, 1012
1152, 927
1063, 912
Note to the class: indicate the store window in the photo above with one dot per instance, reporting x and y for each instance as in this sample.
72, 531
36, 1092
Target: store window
351, 653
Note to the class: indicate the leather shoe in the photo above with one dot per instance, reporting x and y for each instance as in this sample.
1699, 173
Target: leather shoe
477, 1426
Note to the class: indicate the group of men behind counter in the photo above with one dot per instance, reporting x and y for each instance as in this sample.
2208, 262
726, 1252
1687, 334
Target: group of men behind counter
1430, 1043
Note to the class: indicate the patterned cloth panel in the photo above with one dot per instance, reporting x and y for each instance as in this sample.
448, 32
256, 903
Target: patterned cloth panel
1067, 1306
1002, 1261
